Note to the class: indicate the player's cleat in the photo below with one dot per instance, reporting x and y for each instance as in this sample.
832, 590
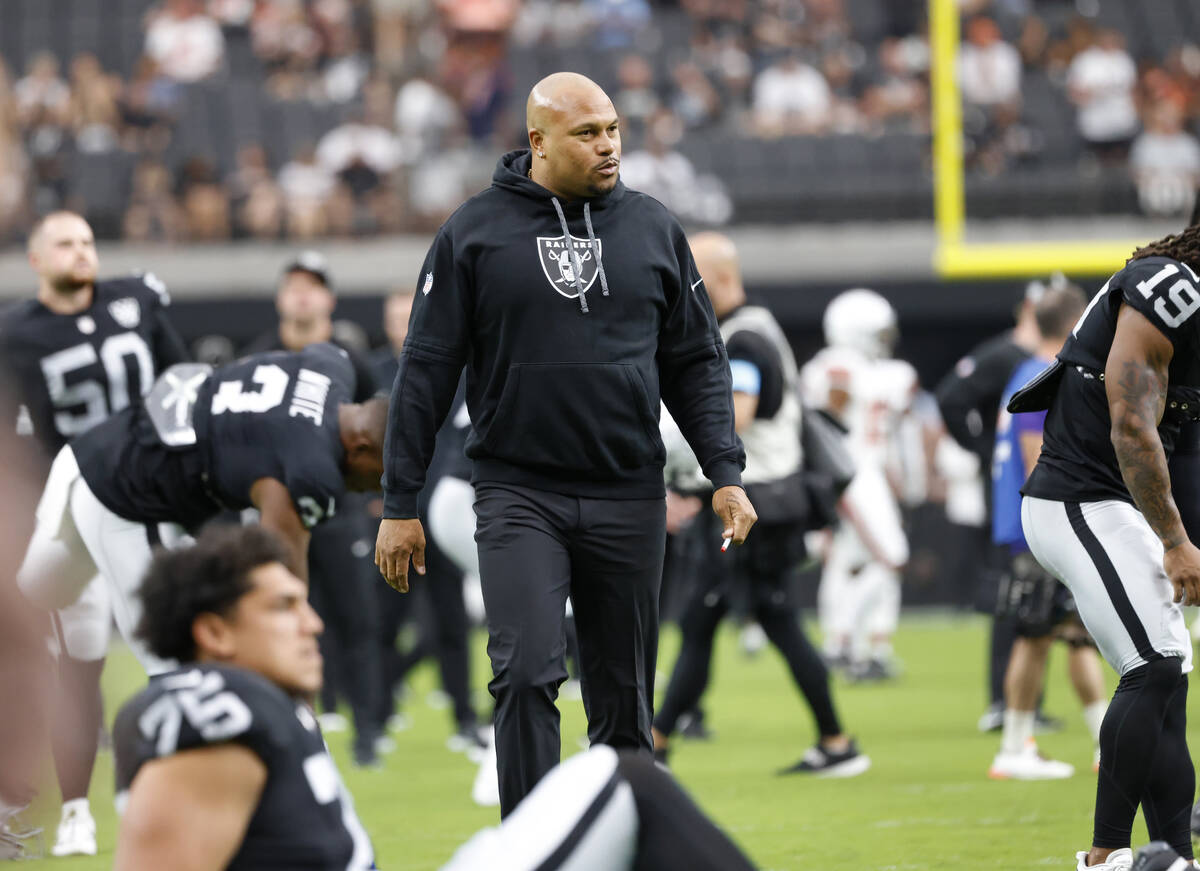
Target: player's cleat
661, 754
752, 639
992, 720
820, 762
398, 722
332, 721
691, 726
485, 791
76, 830
19, 841
1028, 765
1118, 860
468, 740
872, 671
1158, 856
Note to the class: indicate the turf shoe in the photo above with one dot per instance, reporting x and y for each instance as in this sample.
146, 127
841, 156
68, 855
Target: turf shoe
1028, 765
1118, 860
821, 762
1158, 856
76, 830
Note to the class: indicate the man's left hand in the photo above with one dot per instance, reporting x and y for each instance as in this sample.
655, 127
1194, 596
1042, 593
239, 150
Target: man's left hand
733, 506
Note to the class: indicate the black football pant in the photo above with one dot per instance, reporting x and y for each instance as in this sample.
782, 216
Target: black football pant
536, 548
763, 566
342, 576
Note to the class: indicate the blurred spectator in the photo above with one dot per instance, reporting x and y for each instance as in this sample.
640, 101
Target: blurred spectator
152, 214
147, 105
1101, 80
425, 117
989, 72
308, 194
668, 176
441, 181
204, 200
989, 68
184, 41
618, 22
360, 153
1165, 162
42, 97
791, 97
636, 98
479, 16
898, 99
95, 105
694, 100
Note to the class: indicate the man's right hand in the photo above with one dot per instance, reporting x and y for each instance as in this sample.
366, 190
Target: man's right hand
1182, 565
398, 542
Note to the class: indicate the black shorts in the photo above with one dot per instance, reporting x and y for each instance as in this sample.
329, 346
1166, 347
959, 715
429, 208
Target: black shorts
1034, 598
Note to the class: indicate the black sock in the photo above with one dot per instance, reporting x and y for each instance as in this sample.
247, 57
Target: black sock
1129, 739
1167, 798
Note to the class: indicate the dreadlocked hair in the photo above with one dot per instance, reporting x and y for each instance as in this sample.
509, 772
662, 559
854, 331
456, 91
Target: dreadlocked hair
1183, 246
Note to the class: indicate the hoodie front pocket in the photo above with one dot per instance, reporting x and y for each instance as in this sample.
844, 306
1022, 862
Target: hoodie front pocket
584, 418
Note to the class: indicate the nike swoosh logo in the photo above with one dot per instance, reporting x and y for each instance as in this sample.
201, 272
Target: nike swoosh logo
698, 280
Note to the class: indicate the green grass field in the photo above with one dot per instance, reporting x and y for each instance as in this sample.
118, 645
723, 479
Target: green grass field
925, 804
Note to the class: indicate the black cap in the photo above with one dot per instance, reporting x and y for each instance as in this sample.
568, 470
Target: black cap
312, 262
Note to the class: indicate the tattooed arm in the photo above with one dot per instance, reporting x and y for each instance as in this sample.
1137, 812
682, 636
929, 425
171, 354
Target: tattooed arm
1135, 381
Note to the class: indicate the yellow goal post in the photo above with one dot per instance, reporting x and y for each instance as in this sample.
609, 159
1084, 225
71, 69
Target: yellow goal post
954, 256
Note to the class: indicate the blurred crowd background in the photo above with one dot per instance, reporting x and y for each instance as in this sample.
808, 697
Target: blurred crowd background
210, 120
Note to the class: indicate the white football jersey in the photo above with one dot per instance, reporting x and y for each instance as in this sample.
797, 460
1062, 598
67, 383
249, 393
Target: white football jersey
869, 397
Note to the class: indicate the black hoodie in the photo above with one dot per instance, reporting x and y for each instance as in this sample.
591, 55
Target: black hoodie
563, 388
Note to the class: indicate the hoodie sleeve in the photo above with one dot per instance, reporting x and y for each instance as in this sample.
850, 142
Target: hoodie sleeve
694, 371
430, 363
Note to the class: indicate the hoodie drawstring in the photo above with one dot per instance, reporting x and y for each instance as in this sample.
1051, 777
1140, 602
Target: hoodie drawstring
587, 219
576, 263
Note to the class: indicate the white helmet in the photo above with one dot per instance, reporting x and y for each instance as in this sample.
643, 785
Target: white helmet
863, 320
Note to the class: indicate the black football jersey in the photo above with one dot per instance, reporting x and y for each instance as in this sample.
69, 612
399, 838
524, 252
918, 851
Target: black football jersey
305, 818
69, 372
1078, 462
272, 415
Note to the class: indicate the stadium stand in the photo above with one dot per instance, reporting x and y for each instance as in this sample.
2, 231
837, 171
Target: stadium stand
792, 110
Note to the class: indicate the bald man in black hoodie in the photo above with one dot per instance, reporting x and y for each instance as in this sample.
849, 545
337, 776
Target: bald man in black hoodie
574, 305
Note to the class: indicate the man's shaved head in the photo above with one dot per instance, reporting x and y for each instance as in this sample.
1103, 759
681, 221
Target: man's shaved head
573, 133
717, 261
561, 95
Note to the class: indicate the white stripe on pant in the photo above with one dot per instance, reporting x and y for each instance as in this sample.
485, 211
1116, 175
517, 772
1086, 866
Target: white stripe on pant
1124, 539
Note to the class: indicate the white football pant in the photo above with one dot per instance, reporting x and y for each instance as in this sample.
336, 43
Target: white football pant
859, 594
76, 537
1112, 562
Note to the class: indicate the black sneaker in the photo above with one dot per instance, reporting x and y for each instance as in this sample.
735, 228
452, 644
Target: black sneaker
691, 726
1044, 723
820, 762
992, 720
1159, 856
660, 755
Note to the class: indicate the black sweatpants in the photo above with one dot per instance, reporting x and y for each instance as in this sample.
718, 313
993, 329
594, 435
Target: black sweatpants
762, 566
536, 548
342, 577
